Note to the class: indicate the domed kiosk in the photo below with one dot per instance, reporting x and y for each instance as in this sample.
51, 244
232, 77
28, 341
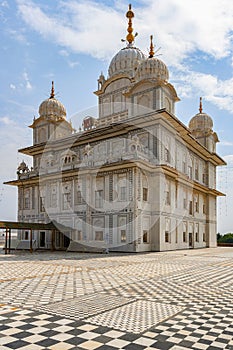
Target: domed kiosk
51, 107
201, 127
51, 123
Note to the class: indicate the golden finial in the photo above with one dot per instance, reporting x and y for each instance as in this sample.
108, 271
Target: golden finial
200, 106
151, 53
52, 95
130, 15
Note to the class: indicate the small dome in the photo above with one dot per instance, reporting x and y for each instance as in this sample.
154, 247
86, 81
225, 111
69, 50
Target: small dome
152, 68
51, 107
22, 165
201, 121
126, 61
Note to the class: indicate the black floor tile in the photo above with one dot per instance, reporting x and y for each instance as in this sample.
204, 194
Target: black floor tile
103, 339
49, 333
46, 342
75, 332
106, 347
22, 335
26, 327
134, 347
75, 341
163, 345
102, 330
16, 344
129, 337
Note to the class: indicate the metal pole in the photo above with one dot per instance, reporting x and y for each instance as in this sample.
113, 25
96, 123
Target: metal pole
6, 235
31, 250
9, 245
52, 240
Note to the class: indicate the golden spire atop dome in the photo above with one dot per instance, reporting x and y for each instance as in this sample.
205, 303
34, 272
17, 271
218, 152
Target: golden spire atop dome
151, 53
52, 94
128, 58
130, 15
200, 105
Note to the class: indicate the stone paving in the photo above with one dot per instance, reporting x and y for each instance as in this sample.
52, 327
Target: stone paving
169, 300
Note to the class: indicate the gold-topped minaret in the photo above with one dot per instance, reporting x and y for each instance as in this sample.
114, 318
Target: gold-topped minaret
130, 15
151, 53
52, 94
200, 106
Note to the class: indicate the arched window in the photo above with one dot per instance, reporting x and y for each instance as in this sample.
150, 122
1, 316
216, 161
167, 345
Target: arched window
167, 104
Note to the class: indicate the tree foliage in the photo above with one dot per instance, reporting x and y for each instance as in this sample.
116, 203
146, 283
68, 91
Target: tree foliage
227, 238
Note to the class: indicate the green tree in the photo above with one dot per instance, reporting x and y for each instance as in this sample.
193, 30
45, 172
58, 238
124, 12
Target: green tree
227, 238
219, 236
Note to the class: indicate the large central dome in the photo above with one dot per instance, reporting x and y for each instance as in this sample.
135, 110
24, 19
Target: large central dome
126, 61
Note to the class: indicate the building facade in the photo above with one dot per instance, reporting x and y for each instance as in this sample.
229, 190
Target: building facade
135, 178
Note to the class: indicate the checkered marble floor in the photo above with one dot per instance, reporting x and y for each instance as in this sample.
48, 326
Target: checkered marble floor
85, 306
173, 300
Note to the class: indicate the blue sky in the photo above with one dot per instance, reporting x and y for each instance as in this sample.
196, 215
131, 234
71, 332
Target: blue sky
71, 42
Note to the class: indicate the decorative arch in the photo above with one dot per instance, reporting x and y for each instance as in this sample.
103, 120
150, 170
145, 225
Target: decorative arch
167, 104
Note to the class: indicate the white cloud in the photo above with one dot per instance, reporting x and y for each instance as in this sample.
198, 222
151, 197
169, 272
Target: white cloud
229, 159
13, 136
74, 29
226, 143
4, 4
64, 53
189, 25
18, 35
82, 26
27, 82
70, 63
213, 89
183, 28
12, 86
73, 64
6, 120
28, 85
